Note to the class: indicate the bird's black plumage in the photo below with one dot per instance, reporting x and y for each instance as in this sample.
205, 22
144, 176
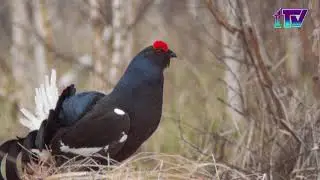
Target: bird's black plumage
9, 153
115, 124
138, 93
76, 106
53, 123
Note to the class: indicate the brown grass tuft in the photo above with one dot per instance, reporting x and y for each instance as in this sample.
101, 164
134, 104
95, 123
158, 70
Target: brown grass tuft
141, 166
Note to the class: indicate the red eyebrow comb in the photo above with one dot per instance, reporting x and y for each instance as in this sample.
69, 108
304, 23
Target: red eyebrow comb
161, 45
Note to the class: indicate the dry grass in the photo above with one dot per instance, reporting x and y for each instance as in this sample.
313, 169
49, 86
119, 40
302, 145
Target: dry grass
140, 166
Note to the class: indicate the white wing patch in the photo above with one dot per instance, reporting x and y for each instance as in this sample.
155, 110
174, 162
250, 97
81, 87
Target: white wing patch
85, 151
123, 137
118, 111
45, 99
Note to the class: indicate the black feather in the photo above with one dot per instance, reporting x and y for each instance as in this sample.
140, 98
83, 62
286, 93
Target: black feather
8, 155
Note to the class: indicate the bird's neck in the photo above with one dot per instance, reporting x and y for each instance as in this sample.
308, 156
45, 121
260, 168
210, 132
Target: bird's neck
140, 75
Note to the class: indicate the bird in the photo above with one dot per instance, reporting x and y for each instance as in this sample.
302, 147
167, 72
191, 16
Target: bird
114, 124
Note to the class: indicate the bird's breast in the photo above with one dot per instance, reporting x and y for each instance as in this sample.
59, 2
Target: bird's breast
146, 114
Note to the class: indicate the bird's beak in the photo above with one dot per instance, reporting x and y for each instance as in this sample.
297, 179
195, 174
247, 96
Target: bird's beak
172, 54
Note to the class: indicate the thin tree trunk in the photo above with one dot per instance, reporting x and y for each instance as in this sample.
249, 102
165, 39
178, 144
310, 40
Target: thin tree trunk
19, 38
193, 7
314, 6
48, 32
19, 48
131, 15
39, 47
233, 52
293, 49
118, 23
99, 49
294, 53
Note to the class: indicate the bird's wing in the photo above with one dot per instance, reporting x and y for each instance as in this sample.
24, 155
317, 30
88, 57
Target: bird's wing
103, 129
69, 109
74, 107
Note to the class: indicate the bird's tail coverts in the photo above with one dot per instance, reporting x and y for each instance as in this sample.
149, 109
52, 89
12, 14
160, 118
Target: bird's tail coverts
14, 154
9, 152
45, 98
49, 126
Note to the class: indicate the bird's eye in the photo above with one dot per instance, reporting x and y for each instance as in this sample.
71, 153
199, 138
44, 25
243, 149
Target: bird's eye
159, 51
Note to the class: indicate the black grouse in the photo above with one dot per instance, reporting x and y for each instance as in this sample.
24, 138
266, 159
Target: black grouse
113, 125
118, 123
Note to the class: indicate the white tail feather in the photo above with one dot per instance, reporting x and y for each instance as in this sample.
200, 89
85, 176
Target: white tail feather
45, 99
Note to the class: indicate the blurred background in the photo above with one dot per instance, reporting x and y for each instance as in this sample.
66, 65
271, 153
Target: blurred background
241, 92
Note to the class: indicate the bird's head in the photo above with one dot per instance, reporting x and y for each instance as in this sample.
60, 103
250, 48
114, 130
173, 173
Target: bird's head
146, 67
159, 54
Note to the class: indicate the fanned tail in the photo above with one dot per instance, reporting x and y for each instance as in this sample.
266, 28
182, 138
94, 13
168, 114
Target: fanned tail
45, 100
43, 123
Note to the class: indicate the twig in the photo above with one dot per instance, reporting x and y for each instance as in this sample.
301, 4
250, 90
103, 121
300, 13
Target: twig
220, 19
